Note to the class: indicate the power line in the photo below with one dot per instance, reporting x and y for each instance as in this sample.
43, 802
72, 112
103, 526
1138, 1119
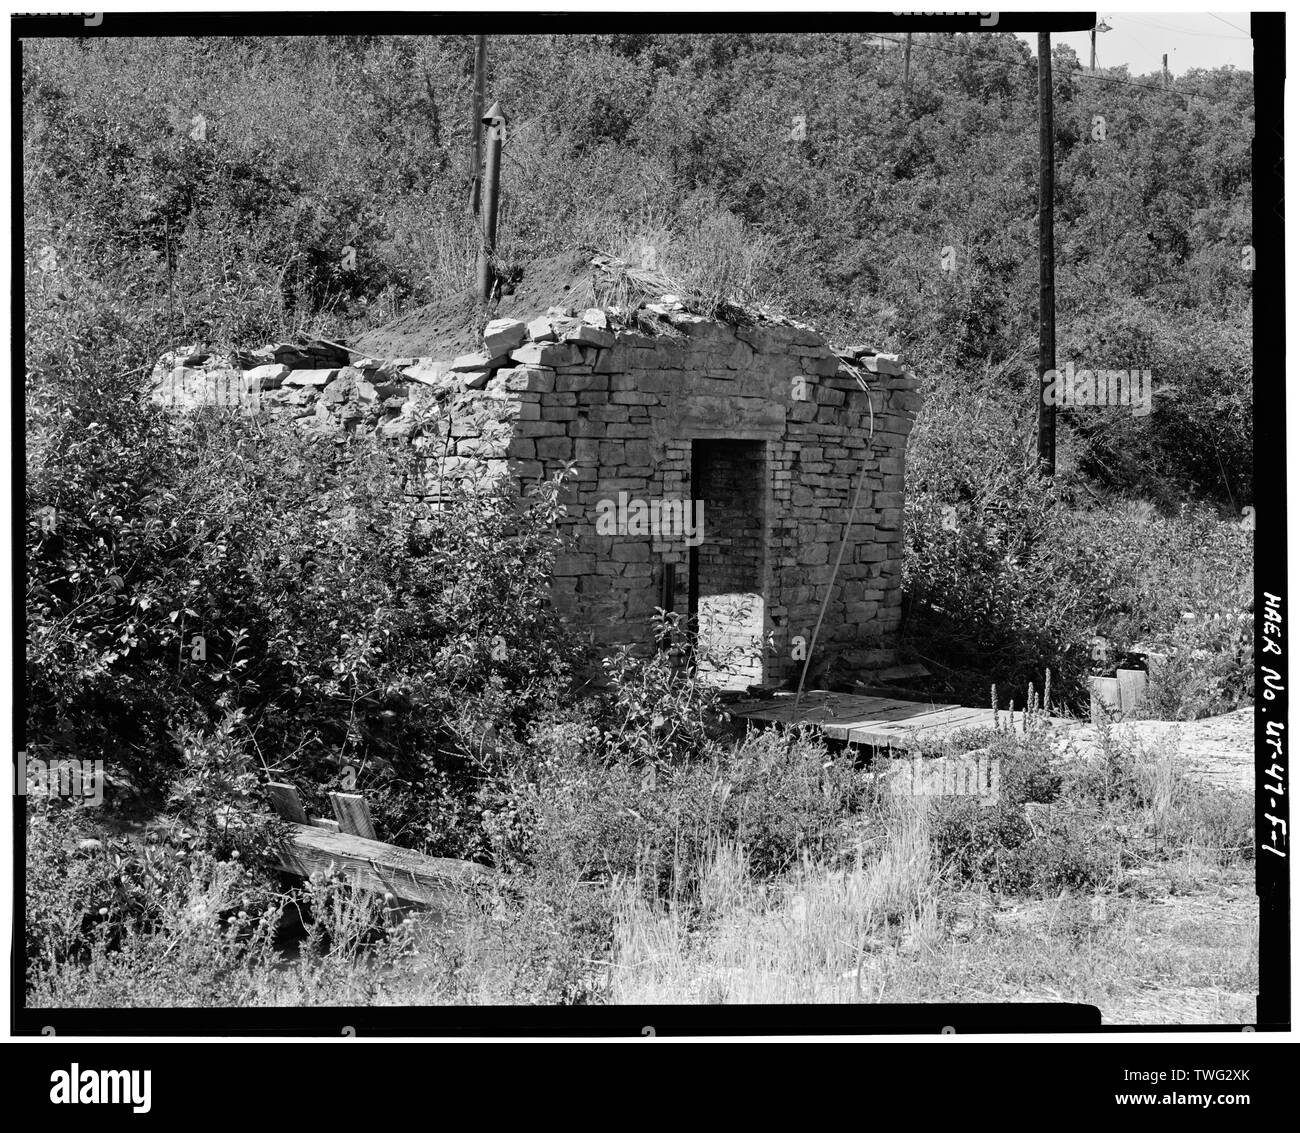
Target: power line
1230, 24
1080, 74
1182, 31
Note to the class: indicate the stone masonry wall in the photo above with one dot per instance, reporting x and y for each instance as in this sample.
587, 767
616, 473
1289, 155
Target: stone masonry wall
622, 409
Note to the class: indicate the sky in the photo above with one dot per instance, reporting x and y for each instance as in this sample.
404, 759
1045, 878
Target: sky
1192, 39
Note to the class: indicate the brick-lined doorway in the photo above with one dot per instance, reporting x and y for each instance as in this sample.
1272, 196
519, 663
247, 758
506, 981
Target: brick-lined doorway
728, 569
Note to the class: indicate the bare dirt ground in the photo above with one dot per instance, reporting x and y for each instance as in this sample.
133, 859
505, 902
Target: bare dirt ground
1218, 751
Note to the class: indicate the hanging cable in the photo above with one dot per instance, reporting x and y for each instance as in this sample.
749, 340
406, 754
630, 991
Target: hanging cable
848, 527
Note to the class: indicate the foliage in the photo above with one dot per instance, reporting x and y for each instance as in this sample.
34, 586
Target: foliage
790, 166
283, 597
211, 603
1007, 576
580, 815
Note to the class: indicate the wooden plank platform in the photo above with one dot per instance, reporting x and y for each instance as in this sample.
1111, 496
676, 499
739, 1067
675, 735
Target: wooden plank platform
872, 721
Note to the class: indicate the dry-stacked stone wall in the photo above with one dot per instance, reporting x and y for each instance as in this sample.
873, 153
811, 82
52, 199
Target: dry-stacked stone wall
778, 426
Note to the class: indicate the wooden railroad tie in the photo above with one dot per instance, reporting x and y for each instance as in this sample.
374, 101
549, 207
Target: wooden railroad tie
347, 841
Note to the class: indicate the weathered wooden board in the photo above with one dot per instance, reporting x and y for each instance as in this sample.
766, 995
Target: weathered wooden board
1132, 688
903, 713
1106, 691
925, 727
874, 721
286, 803
379, 866
352, 814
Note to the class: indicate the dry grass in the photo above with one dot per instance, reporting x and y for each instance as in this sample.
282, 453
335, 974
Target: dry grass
711, 259
800, 941
1172, 939
1175, 942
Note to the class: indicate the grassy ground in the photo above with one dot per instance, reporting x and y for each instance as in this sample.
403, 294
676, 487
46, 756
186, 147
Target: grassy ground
1140, 958
1155, 923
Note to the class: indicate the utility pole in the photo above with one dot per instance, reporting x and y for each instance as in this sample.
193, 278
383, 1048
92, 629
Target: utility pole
1092, 37
1164, 68
476, 125
1046, 257
907, 65
495, 121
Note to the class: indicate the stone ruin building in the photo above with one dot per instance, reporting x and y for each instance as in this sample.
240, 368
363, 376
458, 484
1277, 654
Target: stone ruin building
747, 421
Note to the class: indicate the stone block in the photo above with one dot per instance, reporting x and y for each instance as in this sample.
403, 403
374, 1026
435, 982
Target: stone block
629, 552
501, 336
541, 330
583, 380
314, 379
530, 379
266, 377
554, 448
612, 361
587, 335
426, 372
547, 354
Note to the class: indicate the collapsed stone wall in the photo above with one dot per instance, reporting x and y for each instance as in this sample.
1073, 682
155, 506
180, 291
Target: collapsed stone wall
624, 410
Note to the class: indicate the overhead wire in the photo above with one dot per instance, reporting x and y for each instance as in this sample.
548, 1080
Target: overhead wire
1230, 24
1084, 75
1184, 31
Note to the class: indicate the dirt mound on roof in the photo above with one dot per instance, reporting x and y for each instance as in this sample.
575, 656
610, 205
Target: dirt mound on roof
454, 325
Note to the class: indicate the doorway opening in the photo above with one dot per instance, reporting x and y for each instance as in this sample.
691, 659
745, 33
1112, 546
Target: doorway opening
728, 569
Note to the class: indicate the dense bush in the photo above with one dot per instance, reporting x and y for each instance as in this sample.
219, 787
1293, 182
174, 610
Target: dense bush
201, 571
579, 814
1008, 576
1000, 846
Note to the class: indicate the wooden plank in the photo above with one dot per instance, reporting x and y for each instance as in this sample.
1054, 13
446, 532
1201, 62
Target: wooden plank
875, 721
835, 710
898, 736
884, 712
1105, 690
353, 814
948, 719
1132, 688
286, 803
781, 710
325, 824
378, 866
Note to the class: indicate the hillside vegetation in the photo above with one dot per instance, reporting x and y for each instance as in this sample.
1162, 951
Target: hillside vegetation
229, 192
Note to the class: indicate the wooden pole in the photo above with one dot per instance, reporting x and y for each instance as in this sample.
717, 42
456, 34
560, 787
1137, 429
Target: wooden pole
1046, 257
495, 120
907, 65
476, 126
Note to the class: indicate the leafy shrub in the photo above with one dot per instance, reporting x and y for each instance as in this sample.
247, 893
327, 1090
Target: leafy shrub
87, 892
1000, 848
577, 813
1007, 575
662, 705
201, 569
